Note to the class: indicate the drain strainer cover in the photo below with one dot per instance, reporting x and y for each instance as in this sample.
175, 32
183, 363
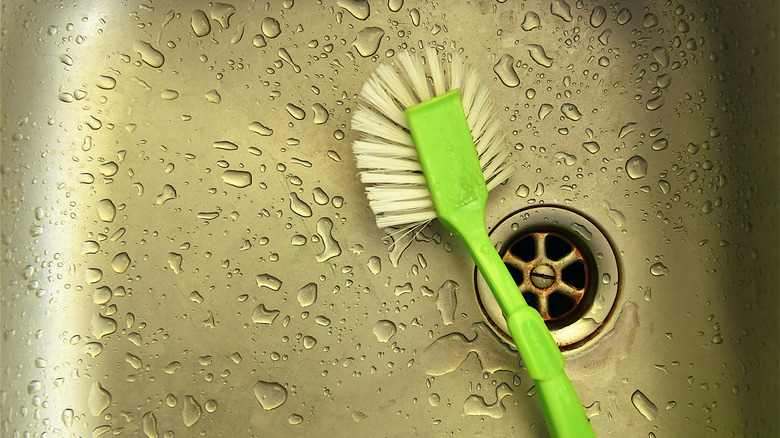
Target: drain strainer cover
565, 268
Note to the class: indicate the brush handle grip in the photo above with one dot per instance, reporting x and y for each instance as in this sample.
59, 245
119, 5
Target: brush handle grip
562, 409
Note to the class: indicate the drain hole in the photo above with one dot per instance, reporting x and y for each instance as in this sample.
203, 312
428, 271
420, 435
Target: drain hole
559, 304
556, 247
532, 300
517, 274
524, 249
574, 275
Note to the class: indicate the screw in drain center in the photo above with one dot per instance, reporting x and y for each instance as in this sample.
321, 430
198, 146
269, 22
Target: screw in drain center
555, 256
542, 276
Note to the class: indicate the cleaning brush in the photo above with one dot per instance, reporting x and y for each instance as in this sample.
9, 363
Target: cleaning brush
432, 147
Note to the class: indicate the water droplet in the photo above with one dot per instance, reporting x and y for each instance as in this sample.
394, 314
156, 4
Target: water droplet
561, 9
268, 281
661, 56
285, 56
149, 54
261, 315
93, 348
655, 103
106, 210
650, 20
505, 71
298, 206
105, 82
617, 217
594, 410
192, 411
298, 240
539, 56
604, 37
571, 112
414, 14
544, 110
270, 395
297, 112
210, 406
237, 178
213, 96
34, 386
367, 41
259, 128
447, 301
307, 295
174, 261
636, 167
66, 59
591, 146
102, 325
395, 5
168, 193
374, 265
403, 289
604, 61
309, 342
522, 191
331, 246
270, 27
225, 145
434, 399
623, 16
659, 270
358, 8
149, 425
222, 13
200, 23
644, 405
664, 186
320, 197
598, 16
120, 263
660, 144
627, 129
259, 41
320, 114
169, 94
476, 405
582, 230
384, 330
98, 399
531, 21
294, 419
171, 368
67, 417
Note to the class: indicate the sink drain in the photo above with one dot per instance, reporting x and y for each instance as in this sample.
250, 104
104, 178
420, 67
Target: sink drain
564, 266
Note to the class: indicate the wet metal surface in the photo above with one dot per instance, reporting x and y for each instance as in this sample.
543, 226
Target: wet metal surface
187, 250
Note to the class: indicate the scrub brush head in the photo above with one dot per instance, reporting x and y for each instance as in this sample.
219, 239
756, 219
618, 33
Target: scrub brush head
396, 188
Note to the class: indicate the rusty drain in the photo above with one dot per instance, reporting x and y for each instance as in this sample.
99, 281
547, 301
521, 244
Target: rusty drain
560, 261
550, 272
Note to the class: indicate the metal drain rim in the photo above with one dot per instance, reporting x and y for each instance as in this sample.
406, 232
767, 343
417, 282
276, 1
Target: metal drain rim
587, 234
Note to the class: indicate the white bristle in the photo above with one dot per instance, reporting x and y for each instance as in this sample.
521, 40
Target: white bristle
396, 187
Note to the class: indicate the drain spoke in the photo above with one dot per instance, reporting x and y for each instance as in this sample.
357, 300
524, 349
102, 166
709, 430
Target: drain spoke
541, 253
568, 259
570, 291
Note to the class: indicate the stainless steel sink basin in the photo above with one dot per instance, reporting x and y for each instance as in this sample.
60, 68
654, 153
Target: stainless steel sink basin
187, 250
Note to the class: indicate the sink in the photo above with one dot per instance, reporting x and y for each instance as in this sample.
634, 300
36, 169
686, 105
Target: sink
187, 249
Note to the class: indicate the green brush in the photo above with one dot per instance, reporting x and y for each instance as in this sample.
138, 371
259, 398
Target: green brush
435, 153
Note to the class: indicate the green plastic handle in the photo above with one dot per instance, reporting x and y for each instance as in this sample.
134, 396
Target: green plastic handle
452, 171
561, 407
